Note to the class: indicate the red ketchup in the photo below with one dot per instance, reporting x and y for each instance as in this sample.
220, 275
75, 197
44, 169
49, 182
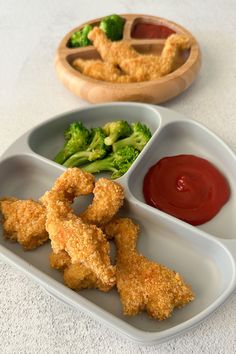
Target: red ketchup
149, 30
187, 187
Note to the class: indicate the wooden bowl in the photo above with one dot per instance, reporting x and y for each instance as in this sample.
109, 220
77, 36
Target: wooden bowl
155, 91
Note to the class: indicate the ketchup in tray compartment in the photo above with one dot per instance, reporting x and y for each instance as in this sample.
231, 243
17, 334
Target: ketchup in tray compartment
150, 30
187, 187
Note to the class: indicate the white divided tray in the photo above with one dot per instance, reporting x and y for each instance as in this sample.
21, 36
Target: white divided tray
204, 255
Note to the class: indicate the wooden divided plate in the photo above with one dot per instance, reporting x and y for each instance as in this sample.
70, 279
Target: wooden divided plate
155, 91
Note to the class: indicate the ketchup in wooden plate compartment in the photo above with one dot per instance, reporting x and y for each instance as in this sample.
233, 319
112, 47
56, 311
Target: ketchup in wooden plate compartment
187, 187
150, 31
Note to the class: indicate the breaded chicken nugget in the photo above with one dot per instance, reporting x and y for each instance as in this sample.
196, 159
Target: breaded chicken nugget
72, 183
108, 199
143, 284
24, 222
84, 243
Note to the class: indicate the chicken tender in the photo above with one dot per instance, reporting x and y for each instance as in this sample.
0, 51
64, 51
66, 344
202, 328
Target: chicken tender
108, 198
24, 222
100, 70
76, 276
141, 283
84, 243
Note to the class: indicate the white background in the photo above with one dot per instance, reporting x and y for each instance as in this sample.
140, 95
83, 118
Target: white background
30, 320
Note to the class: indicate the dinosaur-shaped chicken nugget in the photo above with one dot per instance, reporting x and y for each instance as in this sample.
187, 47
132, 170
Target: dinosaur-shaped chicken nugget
143, 284
24, 222
85, 243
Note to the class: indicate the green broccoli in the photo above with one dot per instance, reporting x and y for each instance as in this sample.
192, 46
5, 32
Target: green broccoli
117, 162
76, 138
96, 150
116, 130
80, 38
113, 27
138, 139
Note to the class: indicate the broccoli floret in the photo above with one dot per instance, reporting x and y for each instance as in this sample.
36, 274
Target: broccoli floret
113, 27
80, 38
76, 138
116, 130
117, 162
96, 150
138, 139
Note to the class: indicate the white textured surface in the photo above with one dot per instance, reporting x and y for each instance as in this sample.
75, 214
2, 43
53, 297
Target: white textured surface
30, 320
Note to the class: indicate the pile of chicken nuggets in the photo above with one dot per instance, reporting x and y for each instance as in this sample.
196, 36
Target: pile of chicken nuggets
81, 248
122, 63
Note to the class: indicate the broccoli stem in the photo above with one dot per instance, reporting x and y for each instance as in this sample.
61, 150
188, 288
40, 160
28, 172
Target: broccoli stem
118, 163
129, 141
79, 158
100, 165
109, 140
61, 156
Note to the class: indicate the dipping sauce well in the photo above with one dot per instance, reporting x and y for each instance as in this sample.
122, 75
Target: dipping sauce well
150, 30
187, 187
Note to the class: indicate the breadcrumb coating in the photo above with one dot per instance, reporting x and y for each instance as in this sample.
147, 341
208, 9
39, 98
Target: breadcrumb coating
60, 260
76, 276
100, 70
